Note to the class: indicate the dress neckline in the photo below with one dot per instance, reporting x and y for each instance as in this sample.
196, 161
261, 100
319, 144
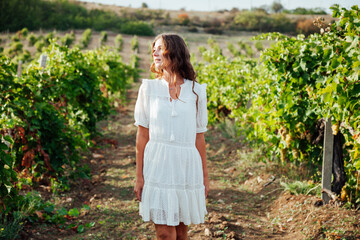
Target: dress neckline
181, 85
181, 89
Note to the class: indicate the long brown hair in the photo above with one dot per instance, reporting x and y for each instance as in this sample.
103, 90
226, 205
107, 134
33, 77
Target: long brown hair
176, 51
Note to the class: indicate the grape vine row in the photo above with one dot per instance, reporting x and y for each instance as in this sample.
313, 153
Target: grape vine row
297, 82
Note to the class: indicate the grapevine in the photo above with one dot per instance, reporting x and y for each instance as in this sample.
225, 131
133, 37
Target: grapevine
298, 83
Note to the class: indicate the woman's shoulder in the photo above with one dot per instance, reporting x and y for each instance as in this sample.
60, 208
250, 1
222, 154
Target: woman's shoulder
150, 83
147, 82
199, 87
152, 86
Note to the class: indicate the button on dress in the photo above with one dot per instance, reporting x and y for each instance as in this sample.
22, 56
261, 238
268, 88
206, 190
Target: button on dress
173, 189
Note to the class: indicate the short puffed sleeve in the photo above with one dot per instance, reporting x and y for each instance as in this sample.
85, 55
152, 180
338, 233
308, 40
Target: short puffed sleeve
201, 115
141, 113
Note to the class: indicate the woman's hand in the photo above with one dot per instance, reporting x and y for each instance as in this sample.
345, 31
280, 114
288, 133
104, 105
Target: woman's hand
201, 147
207, 186
139, 187
142, 138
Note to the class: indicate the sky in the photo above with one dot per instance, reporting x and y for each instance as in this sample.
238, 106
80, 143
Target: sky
214, 5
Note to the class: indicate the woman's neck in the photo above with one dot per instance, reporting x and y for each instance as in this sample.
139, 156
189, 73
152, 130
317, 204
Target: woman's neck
173, 78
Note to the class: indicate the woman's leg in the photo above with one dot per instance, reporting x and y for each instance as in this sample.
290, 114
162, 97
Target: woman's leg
164, 232
181, 232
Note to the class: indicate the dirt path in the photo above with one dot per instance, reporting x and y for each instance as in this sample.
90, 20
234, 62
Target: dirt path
237, 208
245, 200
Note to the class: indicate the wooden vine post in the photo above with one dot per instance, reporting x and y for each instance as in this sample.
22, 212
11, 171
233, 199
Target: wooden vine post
42, 61
327, 161
42, 64
19, 69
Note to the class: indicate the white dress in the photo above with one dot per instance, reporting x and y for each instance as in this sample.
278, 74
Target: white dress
174, 189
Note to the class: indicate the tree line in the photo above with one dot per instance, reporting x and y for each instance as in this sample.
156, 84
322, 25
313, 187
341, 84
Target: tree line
63, 15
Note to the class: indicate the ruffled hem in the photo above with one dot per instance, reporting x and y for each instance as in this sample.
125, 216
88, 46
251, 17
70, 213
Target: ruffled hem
173, 205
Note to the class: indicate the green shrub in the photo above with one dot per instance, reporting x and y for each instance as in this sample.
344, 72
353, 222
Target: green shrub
134, 43
50, 117
7, 160
24, 56
281, 23
15, 38
119, 42
252, 20
24, 32
68, 39
211, 42
306, 11
235, 52
40, 44
134, 63
64, 15
57, 110
229, 80
86, 37
20, 208
281, 101
193, 29
137, 28
247, 48
263, 22
15, 48
259, 46
103, 38
213, 30
32, 39
48, 37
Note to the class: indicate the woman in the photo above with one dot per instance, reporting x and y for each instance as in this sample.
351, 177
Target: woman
171, 115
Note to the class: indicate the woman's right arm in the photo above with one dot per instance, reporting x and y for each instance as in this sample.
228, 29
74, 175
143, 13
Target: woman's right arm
142, 137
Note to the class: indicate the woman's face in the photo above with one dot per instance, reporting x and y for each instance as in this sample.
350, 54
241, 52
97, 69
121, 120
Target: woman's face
158, 56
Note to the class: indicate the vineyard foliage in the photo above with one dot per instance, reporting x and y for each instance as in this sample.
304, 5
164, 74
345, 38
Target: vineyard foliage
297, 82
48, 115
8, 174
229, 79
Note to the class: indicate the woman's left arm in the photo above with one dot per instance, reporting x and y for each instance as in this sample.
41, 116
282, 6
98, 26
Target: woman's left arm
201, 147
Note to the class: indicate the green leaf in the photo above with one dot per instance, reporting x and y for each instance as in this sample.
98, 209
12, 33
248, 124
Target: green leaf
334, 63
327, 97
357, 164
80, 228
49, 209
86, 207
7, 159
9, 139
3, 146
62, 211
303, 65
354, 44
90, 225
74, 212
8, 187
